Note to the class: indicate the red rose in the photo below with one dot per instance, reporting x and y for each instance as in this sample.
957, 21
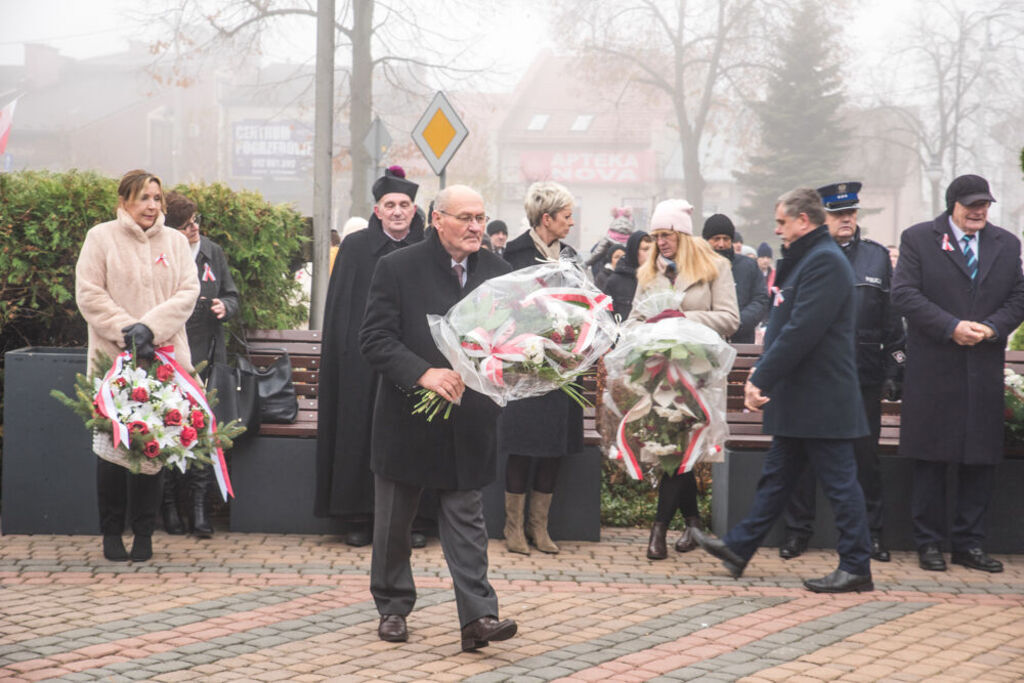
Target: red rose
173, 418
121, 382
555, 337
164, 372
197, 419
140, 394
138, 426
151, 449
188, 436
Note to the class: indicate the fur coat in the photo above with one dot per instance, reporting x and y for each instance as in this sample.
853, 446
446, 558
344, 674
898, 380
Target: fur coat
128, 275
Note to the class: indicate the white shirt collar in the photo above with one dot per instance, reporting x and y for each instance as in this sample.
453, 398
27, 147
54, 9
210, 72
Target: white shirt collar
959, 235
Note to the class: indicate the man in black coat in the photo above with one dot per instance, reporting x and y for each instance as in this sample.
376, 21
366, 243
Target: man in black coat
958, 282
806, 380
344, 483
880, 354
751, 293
457, 456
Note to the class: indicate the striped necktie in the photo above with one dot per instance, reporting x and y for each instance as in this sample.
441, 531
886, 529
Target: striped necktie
972, 259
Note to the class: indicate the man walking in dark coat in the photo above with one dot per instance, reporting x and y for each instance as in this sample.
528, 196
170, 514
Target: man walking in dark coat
806, 380
344, 484
456, 456
958, 282
751, 294
880, 354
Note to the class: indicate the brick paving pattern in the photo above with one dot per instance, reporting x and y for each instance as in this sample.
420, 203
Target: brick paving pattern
286, 607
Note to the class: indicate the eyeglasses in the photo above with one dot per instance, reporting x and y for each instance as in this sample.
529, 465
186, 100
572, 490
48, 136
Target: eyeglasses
466, 218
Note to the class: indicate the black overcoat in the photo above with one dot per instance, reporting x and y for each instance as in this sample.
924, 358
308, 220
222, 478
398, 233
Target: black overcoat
347, 387
206, 331
953, 395
751, 296
454, 454
807, 368
550, 425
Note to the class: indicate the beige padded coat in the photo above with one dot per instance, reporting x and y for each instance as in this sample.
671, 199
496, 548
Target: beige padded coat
128, 275
710, 303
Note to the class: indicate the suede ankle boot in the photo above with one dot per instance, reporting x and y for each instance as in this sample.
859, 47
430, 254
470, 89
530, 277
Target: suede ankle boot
537, 527
515, 539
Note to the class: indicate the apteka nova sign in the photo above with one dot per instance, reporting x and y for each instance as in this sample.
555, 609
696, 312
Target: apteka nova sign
588, 167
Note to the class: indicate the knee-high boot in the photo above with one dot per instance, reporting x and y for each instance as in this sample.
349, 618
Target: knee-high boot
169, 505
199, 481
540, 504
515, 507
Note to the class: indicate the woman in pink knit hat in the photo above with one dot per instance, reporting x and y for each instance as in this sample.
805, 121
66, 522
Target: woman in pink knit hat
703, 279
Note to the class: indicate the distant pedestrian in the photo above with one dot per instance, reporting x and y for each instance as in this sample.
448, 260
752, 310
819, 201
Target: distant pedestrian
621, 284
751, 296
497, 231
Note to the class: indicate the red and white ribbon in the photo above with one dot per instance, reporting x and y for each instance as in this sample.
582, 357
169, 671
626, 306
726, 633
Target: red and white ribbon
778, 296
208, 275
495, 348
192, 388
579, 297
162, 258
946, 246
104, 401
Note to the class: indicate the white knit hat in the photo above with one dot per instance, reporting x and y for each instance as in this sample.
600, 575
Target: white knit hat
673, 214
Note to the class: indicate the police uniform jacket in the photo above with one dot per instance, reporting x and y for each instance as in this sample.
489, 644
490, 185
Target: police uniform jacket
880, 337
454, 454
953, 399
807, 368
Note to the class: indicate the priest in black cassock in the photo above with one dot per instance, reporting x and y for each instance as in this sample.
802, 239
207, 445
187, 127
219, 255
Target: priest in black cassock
344, 483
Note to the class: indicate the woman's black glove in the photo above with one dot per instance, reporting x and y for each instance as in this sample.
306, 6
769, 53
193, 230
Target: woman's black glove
139, 339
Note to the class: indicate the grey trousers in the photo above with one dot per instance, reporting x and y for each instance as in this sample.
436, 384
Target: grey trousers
460, 521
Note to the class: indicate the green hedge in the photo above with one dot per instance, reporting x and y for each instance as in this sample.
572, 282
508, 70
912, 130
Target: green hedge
43, 220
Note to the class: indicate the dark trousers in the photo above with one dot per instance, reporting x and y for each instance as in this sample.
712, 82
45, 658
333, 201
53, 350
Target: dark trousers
834, 464
676, 492
463, 540
799, 515
118, 490
928, 503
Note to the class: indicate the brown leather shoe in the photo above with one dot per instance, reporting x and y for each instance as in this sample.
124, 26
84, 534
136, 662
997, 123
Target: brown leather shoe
687, 542
656, 548
477, 634
392, 628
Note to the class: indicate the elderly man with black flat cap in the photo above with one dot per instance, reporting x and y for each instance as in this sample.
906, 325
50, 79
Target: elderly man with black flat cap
959, 285
348, 386
880, 355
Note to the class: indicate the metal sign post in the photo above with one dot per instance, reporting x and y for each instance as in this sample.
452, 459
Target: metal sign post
377, 141
439, 134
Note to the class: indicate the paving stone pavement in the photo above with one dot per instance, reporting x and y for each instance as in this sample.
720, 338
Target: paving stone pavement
274, 607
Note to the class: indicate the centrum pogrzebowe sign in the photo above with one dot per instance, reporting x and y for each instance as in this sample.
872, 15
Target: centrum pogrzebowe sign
271, 148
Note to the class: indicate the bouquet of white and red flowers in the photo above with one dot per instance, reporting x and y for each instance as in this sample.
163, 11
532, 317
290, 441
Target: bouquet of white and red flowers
524, 334
665, 396
149, 416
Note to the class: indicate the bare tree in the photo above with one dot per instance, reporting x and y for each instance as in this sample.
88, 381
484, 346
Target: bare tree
375, 38
696, 52
963, 59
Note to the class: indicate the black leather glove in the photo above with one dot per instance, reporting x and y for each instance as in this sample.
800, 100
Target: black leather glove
891, 390
139, 339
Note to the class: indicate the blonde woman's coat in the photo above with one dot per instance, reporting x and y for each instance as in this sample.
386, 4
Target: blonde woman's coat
709, 303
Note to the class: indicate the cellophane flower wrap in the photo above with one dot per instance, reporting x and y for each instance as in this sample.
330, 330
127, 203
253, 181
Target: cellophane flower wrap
664, 405
149, 416
527, 332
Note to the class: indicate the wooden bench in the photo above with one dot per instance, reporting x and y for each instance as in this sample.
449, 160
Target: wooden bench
735, 480
303, 347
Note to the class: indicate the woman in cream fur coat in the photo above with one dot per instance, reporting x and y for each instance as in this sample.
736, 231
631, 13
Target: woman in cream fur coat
135, 284
688, 265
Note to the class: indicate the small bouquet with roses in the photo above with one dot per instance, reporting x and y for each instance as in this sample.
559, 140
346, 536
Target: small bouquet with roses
523, 334
665, 397
150, 416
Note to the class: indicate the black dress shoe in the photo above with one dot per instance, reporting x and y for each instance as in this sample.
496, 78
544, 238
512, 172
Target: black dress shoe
878, 550
392, 628
142, 548
418, 540
113, 548
975, 558
840, 581
732, 562
358, 538
929, 557
477, 634
793, 546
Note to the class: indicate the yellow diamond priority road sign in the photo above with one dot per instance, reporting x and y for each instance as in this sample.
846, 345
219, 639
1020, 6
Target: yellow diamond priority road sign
439, 133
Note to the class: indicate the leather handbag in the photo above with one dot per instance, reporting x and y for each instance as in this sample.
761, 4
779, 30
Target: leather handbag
278, 402
237, 392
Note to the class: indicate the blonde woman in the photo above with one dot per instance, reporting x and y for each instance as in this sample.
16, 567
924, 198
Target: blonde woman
688, 265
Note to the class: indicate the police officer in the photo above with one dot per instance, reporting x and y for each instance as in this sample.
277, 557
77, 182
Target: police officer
880, 355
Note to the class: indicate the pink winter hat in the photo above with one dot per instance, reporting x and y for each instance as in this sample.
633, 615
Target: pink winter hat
673, 214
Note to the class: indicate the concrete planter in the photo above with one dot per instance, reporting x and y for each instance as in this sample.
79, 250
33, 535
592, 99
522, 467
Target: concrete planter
49, 471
